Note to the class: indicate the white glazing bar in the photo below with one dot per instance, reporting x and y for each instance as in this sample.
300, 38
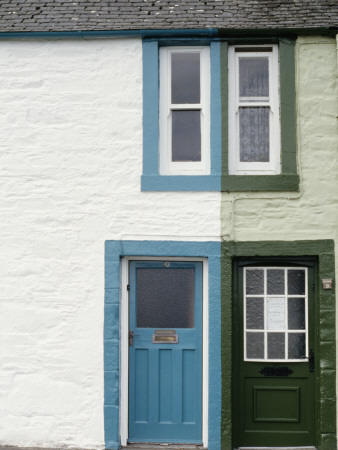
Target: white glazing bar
186, 106
285, 330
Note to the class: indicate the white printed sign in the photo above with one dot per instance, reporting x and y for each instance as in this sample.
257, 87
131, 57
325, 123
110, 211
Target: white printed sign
275, 309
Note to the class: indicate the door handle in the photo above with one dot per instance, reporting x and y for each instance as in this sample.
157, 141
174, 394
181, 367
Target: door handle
131, 338
311, 361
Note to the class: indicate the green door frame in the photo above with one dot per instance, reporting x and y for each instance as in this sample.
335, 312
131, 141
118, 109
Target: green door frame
323, 253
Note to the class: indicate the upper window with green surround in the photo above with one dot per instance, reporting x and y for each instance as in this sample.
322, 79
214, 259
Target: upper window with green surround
218, 117
258, 117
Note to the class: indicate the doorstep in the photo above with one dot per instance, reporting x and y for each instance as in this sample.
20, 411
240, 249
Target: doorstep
163, 446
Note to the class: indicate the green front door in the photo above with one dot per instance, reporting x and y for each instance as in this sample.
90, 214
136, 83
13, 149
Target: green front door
274, 372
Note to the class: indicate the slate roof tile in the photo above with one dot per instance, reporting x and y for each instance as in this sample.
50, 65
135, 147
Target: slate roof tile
70, 15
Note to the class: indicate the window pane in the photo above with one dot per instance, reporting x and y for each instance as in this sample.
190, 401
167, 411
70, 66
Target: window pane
276, 284
185, 77
275, 310
186, 136
254, 77
255, 313
276, 346
296, 345
255, 282
254, 134
296, 282
165, 298
296, 313
255, 345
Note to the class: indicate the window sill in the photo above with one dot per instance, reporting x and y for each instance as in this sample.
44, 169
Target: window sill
286, 182
180, 183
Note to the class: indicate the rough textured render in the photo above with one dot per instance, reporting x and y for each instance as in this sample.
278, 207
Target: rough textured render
312, 213
71, 162
68, 15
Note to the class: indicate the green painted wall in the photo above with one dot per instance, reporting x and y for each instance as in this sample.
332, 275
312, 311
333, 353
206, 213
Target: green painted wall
310, 214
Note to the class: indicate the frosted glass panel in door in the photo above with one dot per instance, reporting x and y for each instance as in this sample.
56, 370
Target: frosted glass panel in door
165, 298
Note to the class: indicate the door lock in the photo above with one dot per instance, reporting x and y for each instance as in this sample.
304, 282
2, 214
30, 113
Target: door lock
131, 338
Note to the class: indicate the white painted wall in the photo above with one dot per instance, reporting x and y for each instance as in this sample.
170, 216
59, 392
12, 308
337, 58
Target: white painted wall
70, 166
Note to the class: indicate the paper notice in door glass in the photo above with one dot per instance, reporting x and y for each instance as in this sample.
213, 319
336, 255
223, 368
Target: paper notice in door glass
276, 313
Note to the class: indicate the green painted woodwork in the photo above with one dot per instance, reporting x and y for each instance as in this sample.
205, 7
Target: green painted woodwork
322, 252
272, 411
288, 180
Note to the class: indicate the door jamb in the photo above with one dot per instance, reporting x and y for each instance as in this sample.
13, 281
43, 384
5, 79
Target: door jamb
124, 342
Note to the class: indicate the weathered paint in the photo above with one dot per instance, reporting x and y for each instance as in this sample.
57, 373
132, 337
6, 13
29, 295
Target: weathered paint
310, 214
71, 162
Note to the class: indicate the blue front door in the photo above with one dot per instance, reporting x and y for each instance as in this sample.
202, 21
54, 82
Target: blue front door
165, 352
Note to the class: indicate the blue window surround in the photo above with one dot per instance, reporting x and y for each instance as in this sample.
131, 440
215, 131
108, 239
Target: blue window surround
114, 251
151, 179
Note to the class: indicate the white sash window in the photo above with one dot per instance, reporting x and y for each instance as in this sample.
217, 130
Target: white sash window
254, 129
184, 111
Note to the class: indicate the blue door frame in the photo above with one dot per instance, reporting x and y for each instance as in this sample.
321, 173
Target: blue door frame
114, 252
165, 379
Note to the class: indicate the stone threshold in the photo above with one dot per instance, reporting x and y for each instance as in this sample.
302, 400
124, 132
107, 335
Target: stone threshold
136, 446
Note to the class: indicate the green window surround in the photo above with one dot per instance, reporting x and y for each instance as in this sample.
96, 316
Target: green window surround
288, 180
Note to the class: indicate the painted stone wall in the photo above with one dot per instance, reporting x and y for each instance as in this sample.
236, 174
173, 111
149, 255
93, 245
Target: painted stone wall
311, 213
70, 164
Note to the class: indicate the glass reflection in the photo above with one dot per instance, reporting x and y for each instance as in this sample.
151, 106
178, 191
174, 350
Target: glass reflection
255, 282
186, 135
255, 313
296, 345
276, 345
185, 77
255, 345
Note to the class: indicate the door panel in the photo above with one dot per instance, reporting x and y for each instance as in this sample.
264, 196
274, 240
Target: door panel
165, 358
274, 398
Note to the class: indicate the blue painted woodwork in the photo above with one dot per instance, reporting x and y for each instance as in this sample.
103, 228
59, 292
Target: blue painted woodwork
208, 32
114, 251
165, 380
151, 180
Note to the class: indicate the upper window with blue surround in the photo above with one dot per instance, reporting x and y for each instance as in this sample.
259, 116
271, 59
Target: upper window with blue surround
184, 111
181, 117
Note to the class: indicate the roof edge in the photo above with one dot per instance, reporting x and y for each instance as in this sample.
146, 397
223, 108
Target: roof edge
225, 33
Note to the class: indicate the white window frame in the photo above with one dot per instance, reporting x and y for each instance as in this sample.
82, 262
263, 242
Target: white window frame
236, 167
167, 166
266, 330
